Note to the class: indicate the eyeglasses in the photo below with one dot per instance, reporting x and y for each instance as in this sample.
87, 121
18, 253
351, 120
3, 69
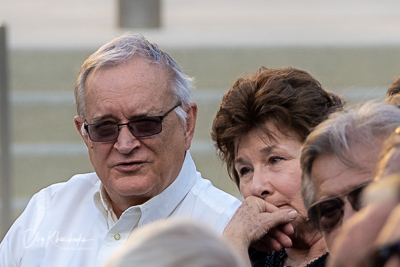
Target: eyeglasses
140, 127
382, 255
326, 214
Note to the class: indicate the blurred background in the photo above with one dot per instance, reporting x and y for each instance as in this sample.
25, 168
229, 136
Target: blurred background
351, 46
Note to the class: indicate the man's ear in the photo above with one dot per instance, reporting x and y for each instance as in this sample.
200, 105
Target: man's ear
79, 122
190, 124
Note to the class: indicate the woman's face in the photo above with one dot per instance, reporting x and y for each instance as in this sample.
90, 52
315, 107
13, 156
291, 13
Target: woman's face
270, 170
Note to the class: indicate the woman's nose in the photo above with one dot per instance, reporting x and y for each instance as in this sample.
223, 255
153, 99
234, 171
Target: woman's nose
260, 185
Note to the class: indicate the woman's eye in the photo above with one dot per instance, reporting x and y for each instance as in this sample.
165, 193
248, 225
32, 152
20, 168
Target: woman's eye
274, 160
243, 171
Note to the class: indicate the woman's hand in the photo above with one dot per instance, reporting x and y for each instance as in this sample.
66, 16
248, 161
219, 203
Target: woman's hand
261, 225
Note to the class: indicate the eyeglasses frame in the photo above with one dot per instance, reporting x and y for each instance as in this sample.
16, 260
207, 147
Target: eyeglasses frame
315, 223
161, 118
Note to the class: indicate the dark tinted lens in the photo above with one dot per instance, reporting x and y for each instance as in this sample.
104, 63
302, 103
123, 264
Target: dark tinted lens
354, 197
329, 213
103, 132
145, 127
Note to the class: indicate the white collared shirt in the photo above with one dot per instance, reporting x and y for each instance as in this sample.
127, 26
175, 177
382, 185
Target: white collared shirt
71, 224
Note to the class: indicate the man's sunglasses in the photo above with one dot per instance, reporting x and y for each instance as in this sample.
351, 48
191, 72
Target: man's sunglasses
139, 127
326, 214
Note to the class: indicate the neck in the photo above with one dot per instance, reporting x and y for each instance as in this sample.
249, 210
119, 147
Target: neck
119, 205
301, 253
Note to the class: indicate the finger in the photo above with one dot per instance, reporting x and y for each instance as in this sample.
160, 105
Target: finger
279, 217
261, 204
273, 233
287, 228
268, 207
280, 237
267, 244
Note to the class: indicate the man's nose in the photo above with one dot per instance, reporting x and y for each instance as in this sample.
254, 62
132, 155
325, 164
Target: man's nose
348, 211
126, 141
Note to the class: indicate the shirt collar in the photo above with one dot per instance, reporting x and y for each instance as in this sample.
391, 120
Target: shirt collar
103, 204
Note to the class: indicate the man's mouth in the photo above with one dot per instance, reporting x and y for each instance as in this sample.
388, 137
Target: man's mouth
130, 166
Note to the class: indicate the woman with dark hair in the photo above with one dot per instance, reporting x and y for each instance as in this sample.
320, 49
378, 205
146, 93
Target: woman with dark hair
259, 129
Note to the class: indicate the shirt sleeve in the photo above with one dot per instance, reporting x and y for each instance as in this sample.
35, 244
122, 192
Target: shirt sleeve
21, 235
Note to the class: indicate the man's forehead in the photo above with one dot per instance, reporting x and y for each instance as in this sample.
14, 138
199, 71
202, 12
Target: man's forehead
119, 89
331, 177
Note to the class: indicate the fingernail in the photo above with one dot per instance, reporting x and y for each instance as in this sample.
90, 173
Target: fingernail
292, 214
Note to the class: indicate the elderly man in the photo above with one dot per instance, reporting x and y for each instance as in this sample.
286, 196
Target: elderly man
338, 160
137, 121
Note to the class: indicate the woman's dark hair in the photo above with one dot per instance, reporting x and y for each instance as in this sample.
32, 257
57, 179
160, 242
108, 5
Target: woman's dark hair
291, 99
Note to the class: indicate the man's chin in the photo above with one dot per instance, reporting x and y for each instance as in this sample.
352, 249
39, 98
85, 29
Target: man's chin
133, 187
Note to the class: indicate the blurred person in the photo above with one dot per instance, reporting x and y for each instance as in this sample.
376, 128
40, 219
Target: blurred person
175, 243
259, 129
338, 160
367, 237
371, 237
387, 245
389, 162
137, 121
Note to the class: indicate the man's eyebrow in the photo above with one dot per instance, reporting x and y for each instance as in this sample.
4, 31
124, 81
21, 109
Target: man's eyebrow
142, 115
99, 119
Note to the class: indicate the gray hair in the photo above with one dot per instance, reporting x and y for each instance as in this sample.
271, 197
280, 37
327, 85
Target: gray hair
175, 242
124, 49
340, 133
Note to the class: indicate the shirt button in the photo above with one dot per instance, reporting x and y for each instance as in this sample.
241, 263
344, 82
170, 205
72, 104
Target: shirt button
117, 236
